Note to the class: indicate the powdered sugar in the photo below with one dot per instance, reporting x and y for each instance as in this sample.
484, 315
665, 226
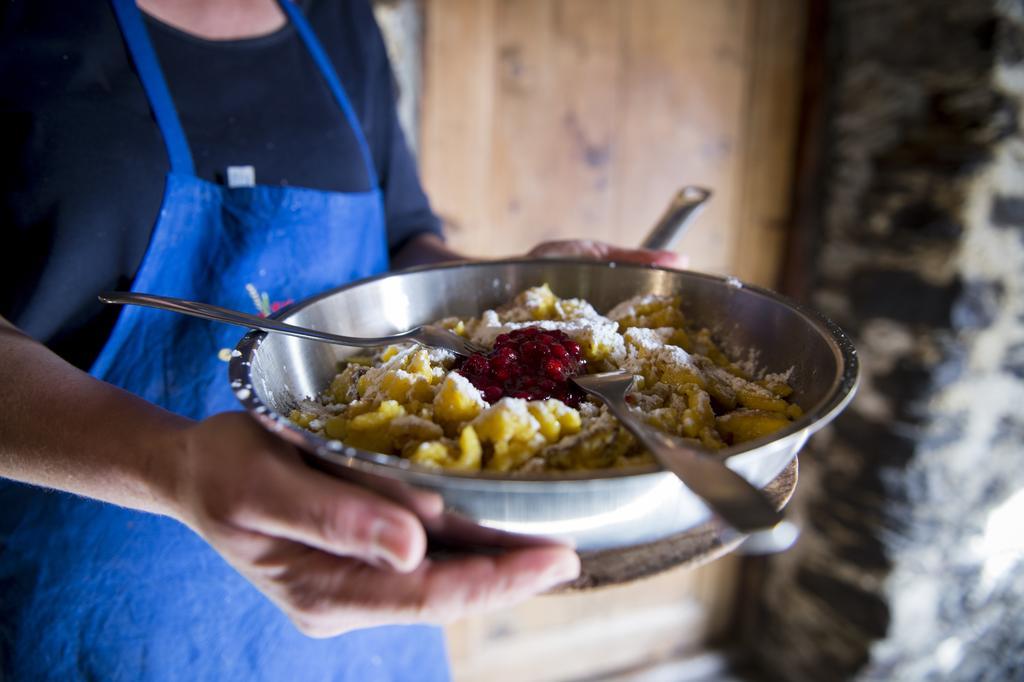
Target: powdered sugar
674, 356
466, 388
576, 309
628, 308
647, 347
517, 407
374, 377
440, 356
779, 377
645, 340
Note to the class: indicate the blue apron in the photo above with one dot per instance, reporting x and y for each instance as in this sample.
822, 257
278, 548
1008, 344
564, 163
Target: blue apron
92, 591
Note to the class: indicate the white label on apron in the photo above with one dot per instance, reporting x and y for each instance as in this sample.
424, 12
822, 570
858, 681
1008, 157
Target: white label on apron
241, 176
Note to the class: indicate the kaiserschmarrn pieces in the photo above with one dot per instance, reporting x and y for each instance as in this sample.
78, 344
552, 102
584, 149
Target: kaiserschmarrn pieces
514, 409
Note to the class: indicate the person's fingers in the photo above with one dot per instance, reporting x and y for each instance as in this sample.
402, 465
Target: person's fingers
332, 555
568, 248
339, 595
668, 259
308, 507
427, 505
587, 248
241, 481
424, 503
461, 587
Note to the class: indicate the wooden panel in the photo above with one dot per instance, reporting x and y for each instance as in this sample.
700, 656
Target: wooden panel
575, 636
557, 118
770, 140
556, 95
455, 154
683, 97
522, 126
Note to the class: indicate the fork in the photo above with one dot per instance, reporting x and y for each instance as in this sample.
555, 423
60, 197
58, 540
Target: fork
431, 336
727, 493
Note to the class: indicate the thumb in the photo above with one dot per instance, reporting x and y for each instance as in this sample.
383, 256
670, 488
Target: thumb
308, 507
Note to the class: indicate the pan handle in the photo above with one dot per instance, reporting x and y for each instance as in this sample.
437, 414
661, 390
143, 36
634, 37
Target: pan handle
677, 218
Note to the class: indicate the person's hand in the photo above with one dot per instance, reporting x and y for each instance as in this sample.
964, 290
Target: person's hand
588, 248
334, 556
428, 248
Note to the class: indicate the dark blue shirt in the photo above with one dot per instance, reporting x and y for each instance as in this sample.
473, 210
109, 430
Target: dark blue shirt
84, 163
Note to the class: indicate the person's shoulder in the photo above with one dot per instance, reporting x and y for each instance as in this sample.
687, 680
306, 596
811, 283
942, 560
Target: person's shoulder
49, 47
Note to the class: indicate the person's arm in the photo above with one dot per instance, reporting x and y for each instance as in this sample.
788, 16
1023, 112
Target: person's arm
60, 428
426, 248
331, 555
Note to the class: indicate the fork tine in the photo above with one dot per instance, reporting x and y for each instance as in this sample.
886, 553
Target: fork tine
440, 337
469, 348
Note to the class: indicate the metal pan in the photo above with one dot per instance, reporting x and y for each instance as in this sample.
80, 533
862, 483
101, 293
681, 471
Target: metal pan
595, 510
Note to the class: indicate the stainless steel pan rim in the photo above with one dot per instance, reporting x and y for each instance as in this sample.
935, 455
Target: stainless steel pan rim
837, 396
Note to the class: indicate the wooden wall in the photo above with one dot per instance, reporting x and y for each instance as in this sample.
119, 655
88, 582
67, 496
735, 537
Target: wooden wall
587, 635
547, 119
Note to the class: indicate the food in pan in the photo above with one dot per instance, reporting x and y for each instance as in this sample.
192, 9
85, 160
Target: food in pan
515, 408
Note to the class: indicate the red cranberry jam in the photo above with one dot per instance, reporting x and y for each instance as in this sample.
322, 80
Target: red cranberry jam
530, 363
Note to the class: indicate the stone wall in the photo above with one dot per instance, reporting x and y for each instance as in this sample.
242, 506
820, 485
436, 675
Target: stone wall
910, 567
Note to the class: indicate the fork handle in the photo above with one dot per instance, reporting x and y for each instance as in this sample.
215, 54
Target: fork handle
218, 314
678, 216
728, 494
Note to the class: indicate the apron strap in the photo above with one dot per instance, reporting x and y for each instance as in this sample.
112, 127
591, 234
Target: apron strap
141, 49
326, 69
129, 18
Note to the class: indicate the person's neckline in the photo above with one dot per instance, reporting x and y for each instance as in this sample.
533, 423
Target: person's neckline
256, 41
